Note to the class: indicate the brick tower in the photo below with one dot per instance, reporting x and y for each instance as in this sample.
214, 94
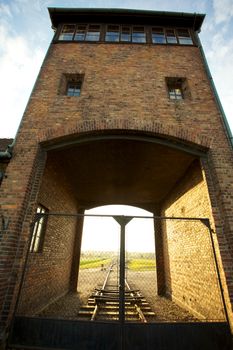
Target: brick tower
124, 111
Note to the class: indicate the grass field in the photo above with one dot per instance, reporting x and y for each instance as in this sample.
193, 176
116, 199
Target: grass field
94, 263
134, 261
141, 264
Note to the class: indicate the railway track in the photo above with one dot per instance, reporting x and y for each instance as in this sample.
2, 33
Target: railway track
103, 303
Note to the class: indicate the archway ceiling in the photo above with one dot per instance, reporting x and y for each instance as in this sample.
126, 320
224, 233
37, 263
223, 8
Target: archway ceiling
122, 171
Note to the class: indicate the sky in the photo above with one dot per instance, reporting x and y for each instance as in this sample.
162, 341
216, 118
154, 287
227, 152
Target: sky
25, 34
103, 233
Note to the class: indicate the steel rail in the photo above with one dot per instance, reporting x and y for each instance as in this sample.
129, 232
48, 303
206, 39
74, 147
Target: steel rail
137, 307
93, 317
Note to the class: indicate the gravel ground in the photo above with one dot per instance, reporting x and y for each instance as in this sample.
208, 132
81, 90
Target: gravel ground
67, 307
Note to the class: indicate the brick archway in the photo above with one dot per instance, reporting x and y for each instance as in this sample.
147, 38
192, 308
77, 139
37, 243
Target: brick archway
146, 126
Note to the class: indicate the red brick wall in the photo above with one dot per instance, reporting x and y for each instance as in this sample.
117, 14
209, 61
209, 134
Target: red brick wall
120, 78
48, 272
190, 272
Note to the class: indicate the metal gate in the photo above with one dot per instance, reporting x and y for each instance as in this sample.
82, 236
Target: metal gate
171, 298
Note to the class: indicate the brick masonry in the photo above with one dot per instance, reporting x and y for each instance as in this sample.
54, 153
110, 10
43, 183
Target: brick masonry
190, 271
123, 89
48, 275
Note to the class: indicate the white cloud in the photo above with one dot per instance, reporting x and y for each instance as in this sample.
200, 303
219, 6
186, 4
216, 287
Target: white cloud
223, 10
24, 37
19, 65
219, 52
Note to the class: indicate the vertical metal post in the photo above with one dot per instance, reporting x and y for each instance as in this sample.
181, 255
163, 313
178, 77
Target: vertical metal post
207, 224
122, 221
122, 276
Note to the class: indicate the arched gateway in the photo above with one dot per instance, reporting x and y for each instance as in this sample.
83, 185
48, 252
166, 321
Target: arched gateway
118, 123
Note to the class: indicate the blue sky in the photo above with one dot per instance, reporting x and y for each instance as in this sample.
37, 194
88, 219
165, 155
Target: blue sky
25, 34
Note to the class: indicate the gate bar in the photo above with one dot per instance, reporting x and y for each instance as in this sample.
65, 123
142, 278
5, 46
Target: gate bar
39, 215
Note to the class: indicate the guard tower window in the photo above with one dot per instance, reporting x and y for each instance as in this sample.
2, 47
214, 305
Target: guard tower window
175, 93
184, 37
93, 33
39, 230
116, 33
171, 36
126, 33
138, 35
67, 32
71, 84
112, 33
80, 32
177, 88
74, 88
158, 36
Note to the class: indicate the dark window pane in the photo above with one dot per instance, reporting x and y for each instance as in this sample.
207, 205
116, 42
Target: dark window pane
67, 32
158, 36
126, 33
38, 232
74, 88
171, 37
93, 33
80, 32
184, 37
112, 33
138, 35
175, 93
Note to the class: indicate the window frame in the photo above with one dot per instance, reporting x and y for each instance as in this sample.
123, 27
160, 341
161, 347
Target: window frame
148, 34
77, 87
177, 83
130, 33
108, 35
38, 234
166, 29
133, 31
175, 93
190, 36
76, 25
164, 35
61, 32
87, 31
69, 79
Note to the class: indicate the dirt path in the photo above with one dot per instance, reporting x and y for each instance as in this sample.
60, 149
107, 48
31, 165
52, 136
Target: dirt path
68, 306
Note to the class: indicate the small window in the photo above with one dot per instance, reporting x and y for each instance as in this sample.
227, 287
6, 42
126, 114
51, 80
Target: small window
126, 33
184, 37
67, 32
171, 37
39, 230
158, 36
93, 33
71, 84
112, 34
175, 93
74, 88
138, 35
177, 88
